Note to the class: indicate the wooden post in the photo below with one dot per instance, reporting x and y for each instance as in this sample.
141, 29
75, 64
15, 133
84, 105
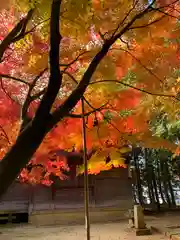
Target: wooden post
86, 183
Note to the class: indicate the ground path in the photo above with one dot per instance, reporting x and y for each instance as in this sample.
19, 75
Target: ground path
108, 231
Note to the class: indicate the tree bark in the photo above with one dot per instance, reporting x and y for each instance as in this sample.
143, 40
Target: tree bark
17, 33
22, 151
138, 179
173, 202
33, 134
155, 189
148, 177
164, 174
160, 182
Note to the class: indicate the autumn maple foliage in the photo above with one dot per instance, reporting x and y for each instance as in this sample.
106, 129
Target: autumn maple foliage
113, 54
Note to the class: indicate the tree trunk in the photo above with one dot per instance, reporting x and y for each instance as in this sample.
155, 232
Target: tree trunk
155, 189
160, 183
148, 177
32, 135
138, 179
163, 170
150, 186
134, 186
170, 185
25, 146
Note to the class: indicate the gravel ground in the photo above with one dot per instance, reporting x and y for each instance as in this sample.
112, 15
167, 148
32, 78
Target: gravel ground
109, 231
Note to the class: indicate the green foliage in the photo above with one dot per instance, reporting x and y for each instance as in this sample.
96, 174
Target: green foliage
176, 73
166, 129
125, 112
130, 77
107, 116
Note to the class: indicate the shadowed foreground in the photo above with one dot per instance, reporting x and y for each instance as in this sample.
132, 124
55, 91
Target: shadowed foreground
98, 231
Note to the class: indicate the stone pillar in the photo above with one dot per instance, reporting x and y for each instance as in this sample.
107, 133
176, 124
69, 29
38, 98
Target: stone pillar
139, 217
139, 222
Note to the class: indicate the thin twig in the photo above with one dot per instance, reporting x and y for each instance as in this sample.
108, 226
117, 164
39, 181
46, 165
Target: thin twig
167, 14
140, 63
136, 88
23, 34
124, 19
14, 78
15, 32
148, 24
73, 61
72, 115
7, 94
30, 98
5, 134
55, 78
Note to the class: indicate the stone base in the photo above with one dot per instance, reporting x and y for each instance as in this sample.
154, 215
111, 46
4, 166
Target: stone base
175, 237
131, 223
143, 232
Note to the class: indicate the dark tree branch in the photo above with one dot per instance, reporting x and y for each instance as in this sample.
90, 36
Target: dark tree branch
14, 78
73, 158
89, 113
140, 63
7, 94
75, 96
73, 61
70, 76
168, 4
24, 33
29, 99
49, 94
124, 19
91, 106
136, 88
73, 115
5, 134
159, 9
174, 9
55, 78
167, 14
125, 42
15, 32
39, 94
148, 24
33, 134
73, 155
